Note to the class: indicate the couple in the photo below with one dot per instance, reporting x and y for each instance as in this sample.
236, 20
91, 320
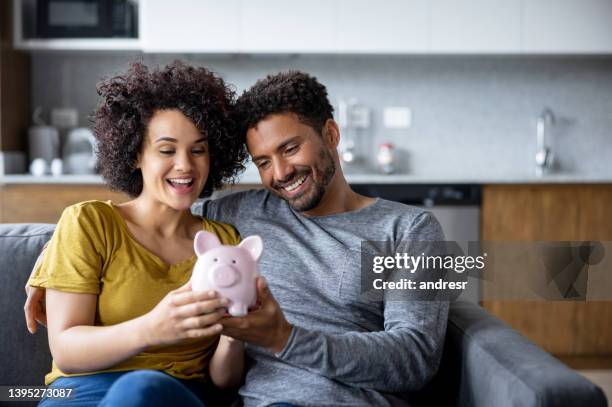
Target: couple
124, 326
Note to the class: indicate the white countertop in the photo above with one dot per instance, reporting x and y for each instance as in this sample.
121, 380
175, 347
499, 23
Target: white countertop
250, 178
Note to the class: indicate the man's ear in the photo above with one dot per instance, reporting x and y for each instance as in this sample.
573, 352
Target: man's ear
331, 133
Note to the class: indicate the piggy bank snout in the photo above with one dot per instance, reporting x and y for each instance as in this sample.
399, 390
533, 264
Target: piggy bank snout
224, 275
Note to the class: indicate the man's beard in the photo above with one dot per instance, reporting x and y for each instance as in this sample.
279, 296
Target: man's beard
311, 198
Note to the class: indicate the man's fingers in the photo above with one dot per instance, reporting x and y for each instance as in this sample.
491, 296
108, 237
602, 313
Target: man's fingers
238, 322
30, 323
263, 292
41, 318
30, 315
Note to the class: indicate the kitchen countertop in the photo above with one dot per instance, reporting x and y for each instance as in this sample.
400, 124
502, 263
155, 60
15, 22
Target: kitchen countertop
356, 178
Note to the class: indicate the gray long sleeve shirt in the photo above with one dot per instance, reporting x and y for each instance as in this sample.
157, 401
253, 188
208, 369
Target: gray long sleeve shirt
342, 350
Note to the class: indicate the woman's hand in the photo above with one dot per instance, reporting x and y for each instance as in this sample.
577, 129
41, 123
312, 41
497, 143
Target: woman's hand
182, 314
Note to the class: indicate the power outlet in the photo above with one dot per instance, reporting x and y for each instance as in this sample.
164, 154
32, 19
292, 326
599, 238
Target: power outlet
397, 117
360, 117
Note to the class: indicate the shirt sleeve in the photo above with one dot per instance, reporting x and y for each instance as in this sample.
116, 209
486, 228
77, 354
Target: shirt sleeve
74, 258
403, 357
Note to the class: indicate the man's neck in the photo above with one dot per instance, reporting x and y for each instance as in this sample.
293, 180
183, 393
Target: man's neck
339, 198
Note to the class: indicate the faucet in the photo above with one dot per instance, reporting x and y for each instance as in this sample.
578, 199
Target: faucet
544, 155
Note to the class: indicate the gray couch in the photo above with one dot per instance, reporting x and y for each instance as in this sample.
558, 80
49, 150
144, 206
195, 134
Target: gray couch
485, 362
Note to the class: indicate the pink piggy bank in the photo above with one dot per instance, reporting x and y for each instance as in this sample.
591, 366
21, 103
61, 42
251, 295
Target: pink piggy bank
229, 270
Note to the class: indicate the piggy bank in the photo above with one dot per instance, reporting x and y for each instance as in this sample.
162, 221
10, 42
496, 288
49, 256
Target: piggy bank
229, 270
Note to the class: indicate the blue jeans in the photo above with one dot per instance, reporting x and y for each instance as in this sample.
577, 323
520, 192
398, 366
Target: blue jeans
132, 388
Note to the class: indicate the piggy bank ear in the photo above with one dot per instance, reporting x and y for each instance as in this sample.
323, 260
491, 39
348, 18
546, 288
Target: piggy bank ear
204, 241
254, 245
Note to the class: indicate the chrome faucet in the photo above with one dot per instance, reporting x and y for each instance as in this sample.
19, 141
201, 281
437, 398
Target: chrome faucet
544, 155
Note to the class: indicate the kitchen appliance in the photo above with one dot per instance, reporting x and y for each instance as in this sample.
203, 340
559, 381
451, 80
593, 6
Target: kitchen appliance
86, 19
79, 154
44, 143
353, 118
457, 208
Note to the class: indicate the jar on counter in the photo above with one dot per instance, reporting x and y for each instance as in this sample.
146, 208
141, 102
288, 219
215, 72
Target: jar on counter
385, 158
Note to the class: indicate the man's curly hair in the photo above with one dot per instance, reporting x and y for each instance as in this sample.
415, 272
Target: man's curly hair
286, 92
130, 100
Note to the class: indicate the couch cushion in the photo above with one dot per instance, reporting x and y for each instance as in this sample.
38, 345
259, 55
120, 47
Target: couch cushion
25, 358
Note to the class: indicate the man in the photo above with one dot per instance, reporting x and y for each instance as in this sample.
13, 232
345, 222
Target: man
314, 340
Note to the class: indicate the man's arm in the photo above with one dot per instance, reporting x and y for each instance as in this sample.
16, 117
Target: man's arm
401, 358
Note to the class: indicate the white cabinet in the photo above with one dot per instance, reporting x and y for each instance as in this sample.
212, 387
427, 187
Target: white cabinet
377, 27
271, 26
390, 26
475, 26
567, 26
190, 25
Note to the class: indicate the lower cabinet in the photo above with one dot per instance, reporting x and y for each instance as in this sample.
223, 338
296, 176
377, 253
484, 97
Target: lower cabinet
44, 203
580, 333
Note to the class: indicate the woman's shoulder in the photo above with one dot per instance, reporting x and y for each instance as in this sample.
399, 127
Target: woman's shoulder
96, 213
227, 233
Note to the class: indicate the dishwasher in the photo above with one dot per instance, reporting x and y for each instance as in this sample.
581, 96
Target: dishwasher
456, 206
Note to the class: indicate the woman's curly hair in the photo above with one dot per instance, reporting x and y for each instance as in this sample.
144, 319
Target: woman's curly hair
285, 92
128, 103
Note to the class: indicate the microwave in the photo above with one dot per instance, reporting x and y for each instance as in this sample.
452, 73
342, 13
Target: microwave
86, 19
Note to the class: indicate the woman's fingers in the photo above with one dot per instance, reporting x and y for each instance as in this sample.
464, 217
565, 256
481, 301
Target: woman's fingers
187, 297
209, 331
201, 307
202, 321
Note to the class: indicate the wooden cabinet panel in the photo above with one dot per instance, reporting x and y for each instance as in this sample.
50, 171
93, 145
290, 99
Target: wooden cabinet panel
14, 87
45, 203
553, 212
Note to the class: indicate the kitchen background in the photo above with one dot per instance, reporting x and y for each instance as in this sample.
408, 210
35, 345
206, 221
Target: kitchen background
473, 117
471, 79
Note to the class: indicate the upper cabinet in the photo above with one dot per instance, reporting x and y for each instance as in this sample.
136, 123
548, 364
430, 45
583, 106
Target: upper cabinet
475, 26
391, 26
567, 26
281, 26
190, 25
354, 27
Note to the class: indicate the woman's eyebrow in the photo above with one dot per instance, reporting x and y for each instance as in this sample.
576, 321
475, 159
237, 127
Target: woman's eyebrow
173, 140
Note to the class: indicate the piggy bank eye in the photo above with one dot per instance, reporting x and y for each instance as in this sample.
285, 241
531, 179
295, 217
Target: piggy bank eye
215, 259
233, 261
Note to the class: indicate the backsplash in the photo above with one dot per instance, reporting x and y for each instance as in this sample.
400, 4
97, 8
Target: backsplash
472, 116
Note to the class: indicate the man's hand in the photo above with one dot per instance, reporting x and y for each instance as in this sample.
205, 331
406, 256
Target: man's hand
266, 326
34, 308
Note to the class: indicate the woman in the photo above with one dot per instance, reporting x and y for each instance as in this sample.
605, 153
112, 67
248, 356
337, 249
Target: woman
124, 326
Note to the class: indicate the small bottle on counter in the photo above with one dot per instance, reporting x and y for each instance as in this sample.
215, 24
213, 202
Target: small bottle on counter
385, 158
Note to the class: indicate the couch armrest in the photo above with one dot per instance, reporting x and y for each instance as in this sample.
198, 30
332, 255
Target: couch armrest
499, 366
25, 358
